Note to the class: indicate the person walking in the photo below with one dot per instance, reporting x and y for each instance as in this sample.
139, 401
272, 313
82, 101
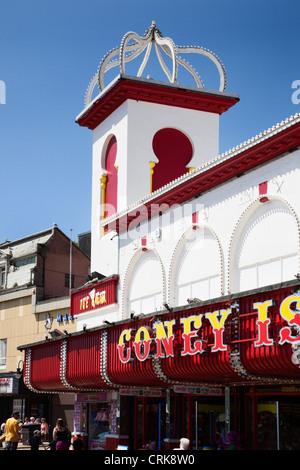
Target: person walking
61, 435
12, 430
44, 429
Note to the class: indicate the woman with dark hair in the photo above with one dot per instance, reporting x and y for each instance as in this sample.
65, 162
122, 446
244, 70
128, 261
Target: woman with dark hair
61, 435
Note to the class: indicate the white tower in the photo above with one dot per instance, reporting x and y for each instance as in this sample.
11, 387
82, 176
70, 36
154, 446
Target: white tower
146, 133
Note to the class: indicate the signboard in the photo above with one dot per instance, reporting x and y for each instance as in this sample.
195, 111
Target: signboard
160, 337
94, 297
141, 392
91, 397
6, 385
190, 390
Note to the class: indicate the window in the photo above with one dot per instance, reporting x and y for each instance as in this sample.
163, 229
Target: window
2, 276
67, 281
24, 261
3, 343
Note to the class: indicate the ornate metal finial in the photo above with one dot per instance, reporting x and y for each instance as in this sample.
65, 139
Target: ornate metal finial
133, 45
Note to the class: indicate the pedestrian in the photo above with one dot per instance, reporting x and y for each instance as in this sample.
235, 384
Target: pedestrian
35, 441
61, 435
2, 433
12, 430
184, 444
44, 429
77, 443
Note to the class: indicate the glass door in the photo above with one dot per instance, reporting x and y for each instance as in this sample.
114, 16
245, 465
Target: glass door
208, 423
150, 423
156, 423
267, 425
161, 426
278, 424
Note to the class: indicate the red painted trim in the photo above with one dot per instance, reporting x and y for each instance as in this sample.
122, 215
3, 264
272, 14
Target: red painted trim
153, 92
45, 367
85, 369
111, 193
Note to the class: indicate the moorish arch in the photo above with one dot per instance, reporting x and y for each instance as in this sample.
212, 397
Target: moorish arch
174, 150
197, 266
144, 284
109, 178
264, 246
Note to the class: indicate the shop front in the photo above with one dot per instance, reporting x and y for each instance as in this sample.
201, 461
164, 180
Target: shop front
95, 417
197, 371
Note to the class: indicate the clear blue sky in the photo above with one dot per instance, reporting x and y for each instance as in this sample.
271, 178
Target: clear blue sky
50, 50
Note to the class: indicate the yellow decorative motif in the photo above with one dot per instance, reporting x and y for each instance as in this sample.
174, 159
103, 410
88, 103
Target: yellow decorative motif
152, 165
103, 182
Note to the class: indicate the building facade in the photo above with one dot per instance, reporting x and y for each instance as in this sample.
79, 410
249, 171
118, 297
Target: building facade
34, 304
191, 325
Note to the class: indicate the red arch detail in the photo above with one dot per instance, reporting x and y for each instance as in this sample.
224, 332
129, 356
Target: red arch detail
174, 151
111, 196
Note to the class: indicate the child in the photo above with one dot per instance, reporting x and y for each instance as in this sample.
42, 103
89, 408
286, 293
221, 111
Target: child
35, 441
78, 444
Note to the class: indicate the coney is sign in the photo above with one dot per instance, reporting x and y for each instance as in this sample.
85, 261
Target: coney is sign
162, 334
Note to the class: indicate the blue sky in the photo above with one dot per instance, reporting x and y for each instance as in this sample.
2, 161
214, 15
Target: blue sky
50, 50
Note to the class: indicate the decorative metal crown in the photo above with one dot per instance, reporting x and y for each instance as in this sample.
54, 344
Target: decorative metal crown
127, 52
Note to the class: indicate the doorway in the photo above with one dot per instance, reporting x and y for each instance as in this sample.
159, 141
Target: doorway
150, 423
208, 423
278, 425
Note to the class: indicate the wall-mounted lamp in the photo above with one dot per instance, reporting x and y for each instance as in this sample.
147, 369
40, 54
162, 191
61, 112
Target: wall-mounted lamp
19, 370
84, 327
108, 323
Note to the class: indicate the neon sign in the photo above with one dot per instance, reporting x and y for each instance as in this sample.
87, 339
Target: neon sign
161, 335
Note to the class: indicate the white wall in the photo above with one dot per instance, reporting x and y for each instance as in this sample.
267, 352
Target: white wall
240, 243
134, 125
236, 233
145, 119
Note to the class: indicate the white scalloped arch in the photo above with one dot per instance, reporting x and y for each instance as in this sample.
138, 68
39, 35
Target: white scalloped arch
174, 265
130, 271
242, 230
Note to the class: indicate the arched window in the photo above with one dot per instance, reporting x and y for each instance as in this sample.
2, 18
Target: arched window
174, 151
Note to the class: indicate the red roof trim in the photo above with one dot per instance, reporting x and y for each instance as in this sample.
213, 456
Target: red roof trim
153, 92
